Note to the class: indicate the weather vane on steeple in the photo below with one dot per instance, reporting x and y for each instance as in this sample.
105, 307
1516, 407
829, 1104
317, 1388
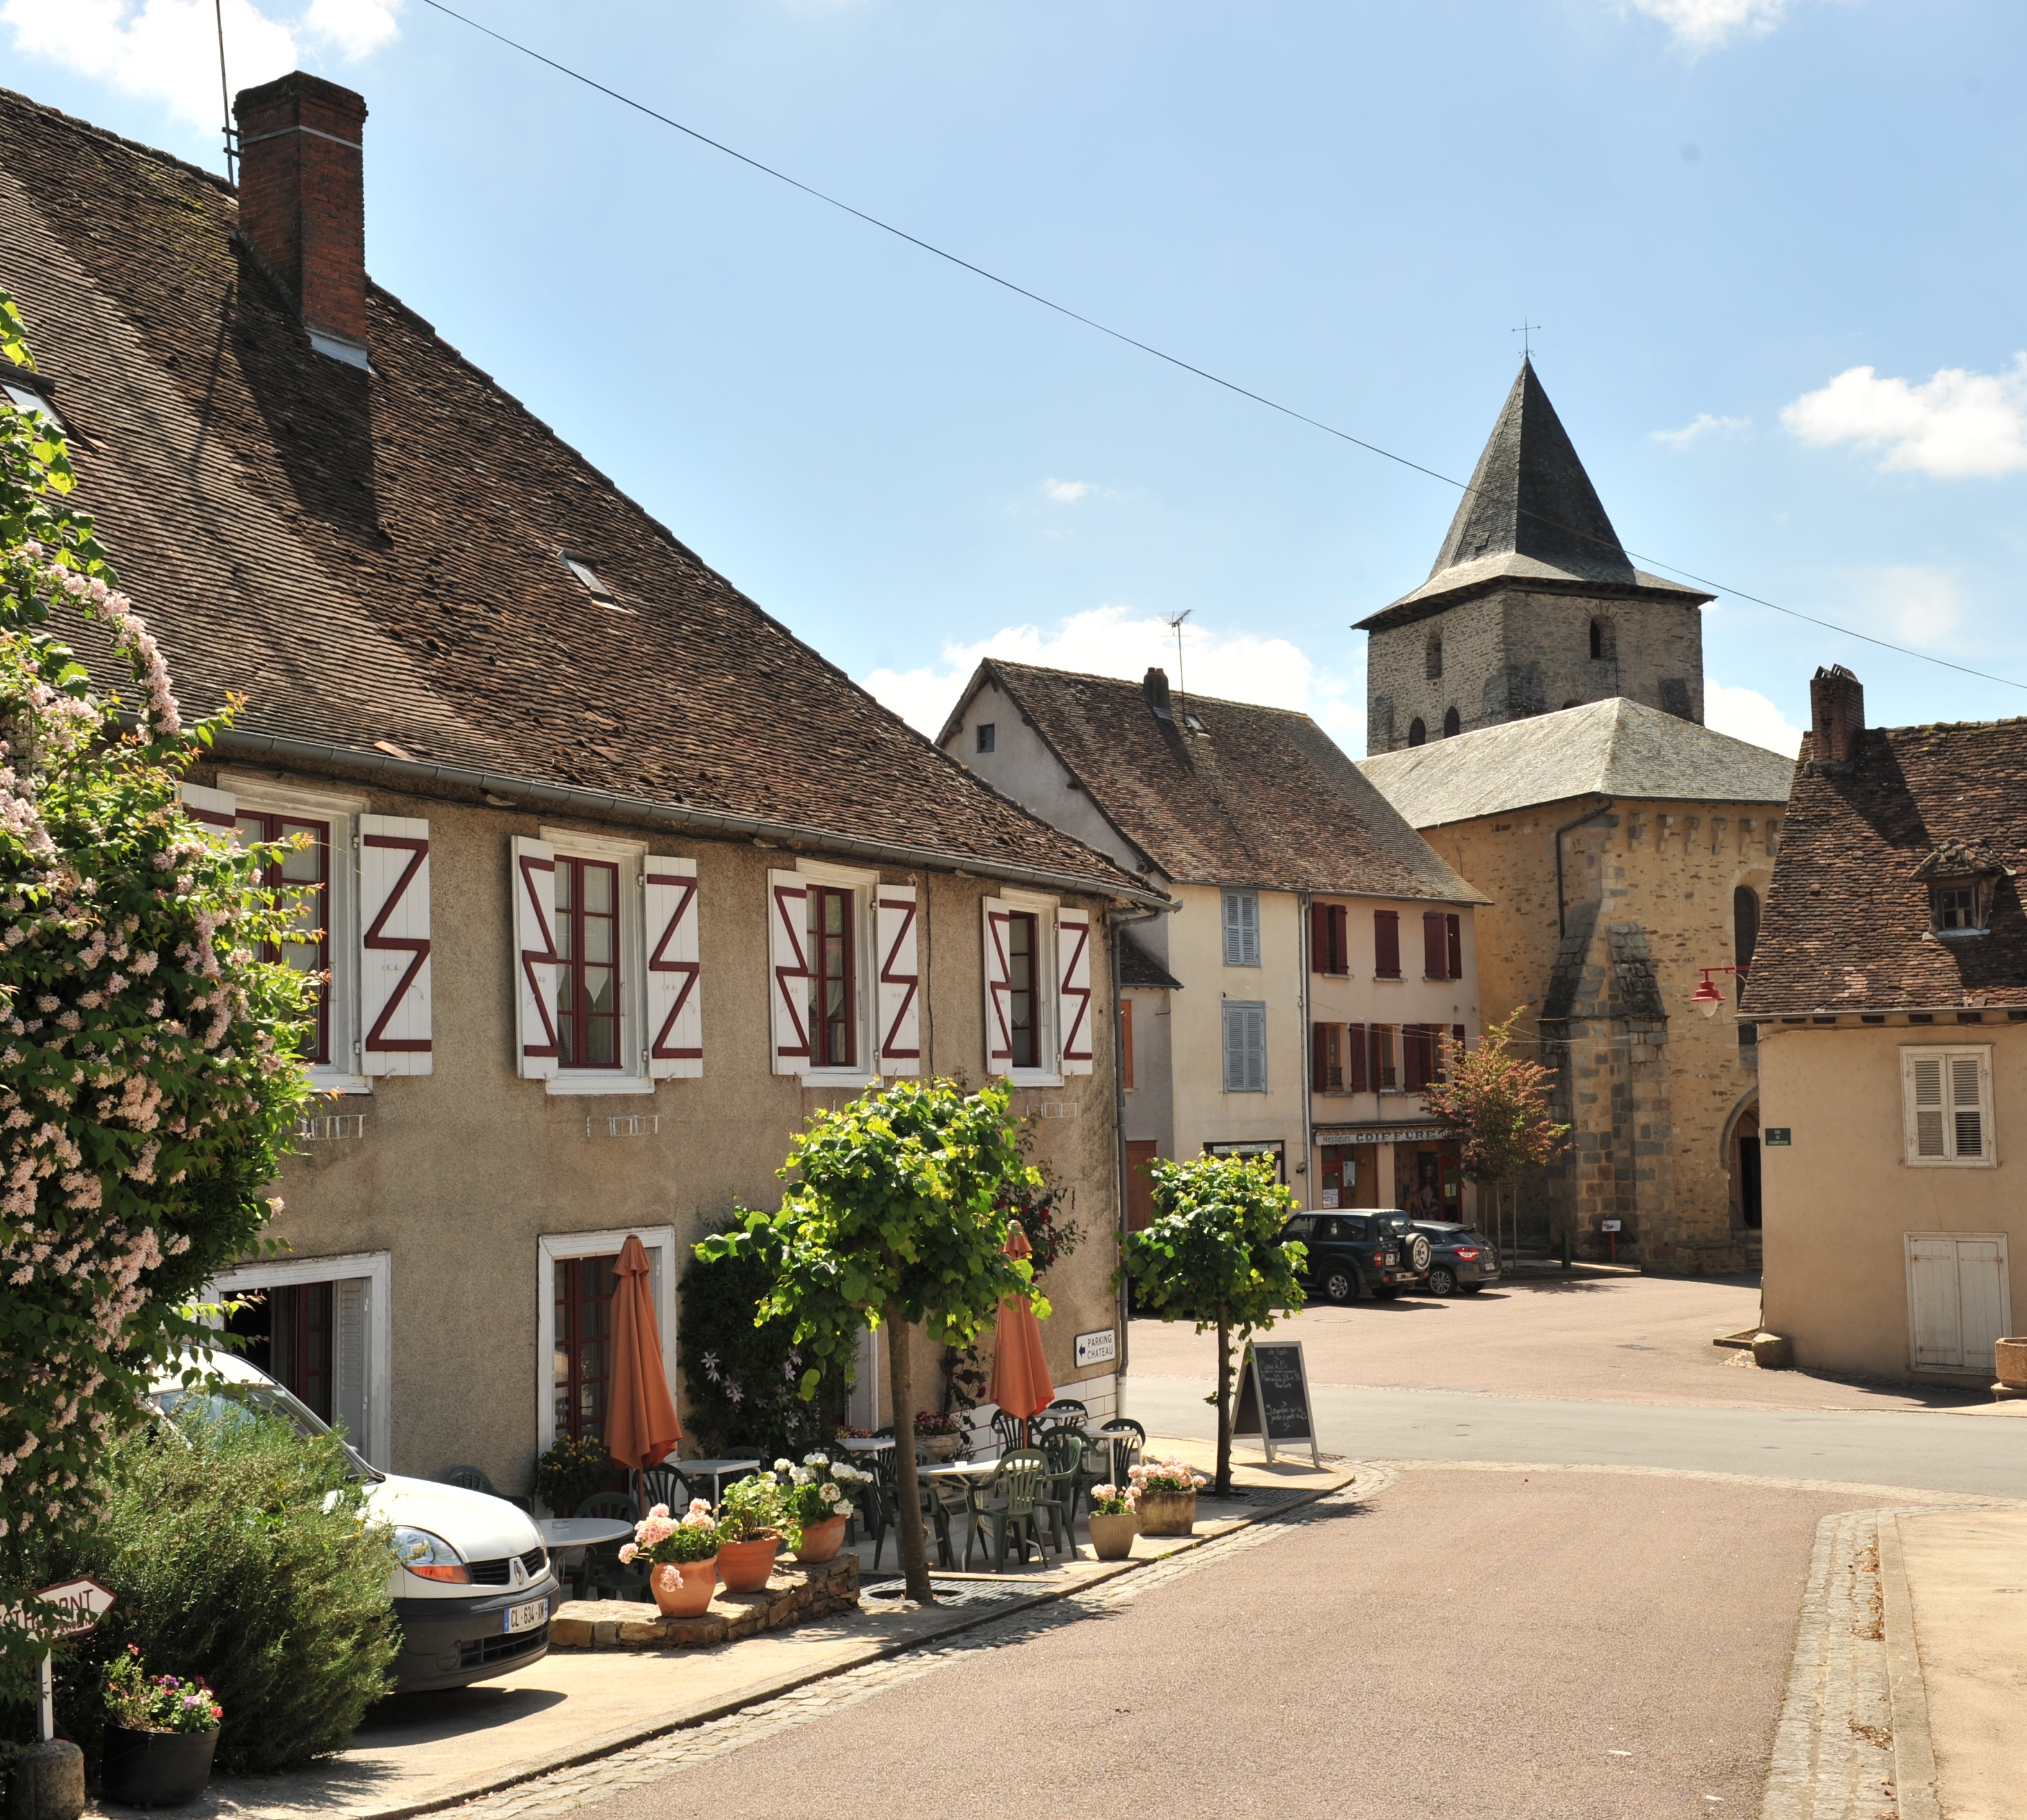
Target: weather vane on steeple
1525, 329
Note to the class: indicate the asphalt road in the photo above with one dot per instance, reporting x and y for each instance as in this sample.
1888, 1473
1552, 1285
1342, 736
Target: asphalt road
1578, 1646
1985, 1455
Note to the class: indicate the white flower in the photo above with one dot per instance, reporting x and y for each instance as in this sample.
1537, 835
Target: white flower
816, 1459
830, 1494
783, 1465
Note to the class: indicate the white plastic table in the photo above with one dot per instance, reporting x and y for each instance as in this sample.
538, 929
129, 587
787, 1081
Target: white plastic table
716, 1470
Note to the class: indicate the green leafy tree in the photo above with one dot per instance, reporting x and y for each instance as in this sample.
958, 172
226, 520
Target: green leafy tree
1498, 1103
894, 1218
148, 1083
1214, 1253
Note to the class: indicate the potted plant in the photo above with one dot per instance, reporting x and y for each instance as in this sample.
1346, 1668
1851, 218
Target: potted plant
1167, 1497
942, 1435
570, 1471
161, 1734
682, 1556
752, 1524
1115, 1520
816, 1496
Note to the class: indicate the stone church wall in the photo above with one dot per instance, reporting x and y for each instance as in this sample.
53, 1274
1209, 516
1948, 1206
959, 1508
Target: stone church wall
1653, 1088
1507, 656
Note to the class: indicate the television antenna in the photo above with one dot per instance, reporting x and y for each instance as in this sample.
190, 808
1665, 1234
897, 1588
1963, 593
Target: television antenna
225, 94
1176, 626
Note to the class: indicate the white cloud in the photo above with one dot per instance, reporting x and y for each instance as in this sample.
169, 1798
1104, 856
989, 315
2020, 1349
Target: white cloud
1070, 492
1700, 25
1112, 641
167, 51
1956, 424
1912, 604
1745, 714
1704, 425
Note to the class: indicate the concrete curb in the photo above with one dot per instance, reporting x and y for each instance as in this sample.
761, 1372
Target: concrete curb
625, 1738
1914, 1752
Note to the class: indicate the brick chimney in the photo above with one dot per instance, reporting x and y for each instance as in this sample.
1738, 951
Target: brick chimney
302, 201
1836, 714
1154, 686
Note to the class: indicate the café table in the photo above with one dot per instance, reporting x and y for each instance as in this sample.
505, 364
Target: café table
567, 1537
715, 1470
1112, 1437
865, 1443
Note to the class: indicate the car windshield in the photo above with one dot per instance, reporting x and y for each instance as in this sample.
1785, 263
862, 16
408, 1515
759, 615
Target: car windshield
224, 1400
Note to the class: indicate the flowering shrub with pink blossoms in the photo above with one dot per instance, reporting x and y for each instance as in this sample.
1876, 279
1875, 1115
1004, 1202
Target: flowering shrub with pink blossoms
149, 1083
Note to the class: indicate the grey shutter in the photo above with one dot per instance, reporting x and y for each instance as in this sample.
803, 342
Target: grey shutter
1233, 1046
1241, 928
1245, 1046
1967, 1106
348, 1403
1256, 1048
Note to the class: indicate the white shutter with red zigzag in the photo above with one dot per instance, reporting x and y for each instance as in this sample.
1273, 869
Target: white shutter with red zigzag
536, 1051
218, 809
789, 971
899, 998
675, 1005
1073, 1017
394, 945
999, 989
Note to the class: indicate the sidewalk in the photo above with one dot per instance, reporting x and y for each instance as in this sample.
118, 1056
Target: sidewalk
1953, 1586
423, 1752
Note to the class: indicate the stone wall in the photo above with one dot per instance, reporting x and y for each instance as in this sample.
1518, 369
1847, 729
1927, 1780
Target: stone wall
1507, 656
1653, 1089
794, 1594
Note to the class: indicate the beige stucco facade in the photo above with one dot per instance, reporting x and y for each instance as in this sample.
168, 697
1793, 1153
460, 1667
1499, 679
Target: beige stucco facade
442, 1189
1851, 1219
1608, 956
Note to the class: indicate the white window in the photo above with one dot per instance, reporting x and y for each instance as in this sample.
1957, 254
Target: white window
1947, 1106
1959, 1301
573, 1286
362, 918
832, 975
1245, 1046
608, 998
1038, 1008
1241, 928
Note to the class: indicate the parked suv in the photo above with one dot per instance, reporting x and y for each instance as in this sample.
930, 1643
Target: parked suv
473, 1588
1462, 1261
1375, 1249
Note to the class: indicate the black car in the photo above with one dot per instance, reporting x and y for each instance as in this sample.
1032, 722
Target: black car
1461, 1261
1375, 1249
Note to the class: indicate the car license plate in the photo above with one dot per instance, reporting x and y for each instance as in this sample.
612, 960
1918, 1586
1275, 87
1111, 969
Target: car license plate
531, 1616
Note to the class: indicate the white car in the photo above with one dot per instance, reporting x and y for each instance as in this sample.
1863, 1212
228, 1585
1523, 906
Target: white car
473, 1588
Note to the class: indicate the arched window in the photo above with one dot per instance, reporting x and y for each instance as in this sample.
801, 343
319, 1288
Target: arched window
1418, 735
1433, 667
1452, 725
1604, 642
1744, 939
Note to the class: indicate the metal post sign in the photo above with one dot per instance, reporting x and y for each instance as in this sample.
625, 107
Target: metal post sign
1274, 1398
79, 1605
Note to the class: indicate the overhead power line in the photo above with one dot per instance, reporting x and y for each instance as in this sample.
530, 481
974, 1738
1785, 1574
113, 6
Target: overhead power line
1175, 361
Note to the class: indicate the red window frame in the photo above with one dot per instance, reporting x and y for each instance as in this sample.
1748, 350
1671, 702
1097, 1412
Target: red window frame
307, 873
1023, 990
1386, 945
578, 1025
300, 1330
833, 963
1379, 1068
1419, 1055
583, 1291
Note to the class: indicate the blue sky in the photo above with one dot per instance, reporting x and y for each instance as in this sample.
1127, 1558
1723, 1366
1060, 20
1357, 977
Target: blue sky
1773, 248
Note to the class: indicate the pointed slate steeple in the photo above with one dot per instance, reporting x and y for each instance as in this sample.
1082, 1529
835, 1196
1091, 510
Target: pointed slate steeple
1529, 496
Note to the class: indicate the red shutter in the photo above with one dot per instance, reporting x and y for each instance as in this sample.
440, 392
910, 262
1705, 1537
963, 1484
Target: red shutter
1418, 1043
1387, 944
1435, 955
1320, 947
1456, 1030
1453, 934
1340, 939
1356, 1050
1320, 1058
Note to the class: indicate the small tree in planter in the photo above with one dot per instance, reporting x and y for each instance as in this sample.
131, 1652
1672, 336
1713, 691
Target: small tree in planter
1213, 1253
1499, 1102
896, 1220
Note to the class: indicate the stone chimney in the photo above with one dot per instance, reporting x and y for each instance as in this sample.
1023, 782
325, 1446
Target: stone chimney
302, 201
1154, 686
1836, 714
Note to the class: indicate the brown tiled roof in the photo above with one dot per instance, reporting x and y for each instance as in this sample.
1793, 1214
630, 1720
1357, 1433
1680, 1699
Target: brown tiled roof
1846, 923
1261, 796
373, 561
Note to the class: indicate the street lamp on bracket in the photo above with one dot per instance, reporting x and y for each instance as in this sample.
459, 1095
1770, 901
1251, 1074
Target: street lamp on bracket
1709, 995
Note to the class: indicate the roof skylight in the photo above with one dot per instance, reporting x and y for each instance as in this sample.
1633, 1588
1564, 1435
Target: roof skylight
589, 576
29, 401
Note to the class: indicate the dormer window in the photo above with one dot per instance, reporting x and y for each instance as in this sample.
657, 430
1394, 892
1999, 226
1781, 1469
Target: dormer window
1962, 877
1954, 907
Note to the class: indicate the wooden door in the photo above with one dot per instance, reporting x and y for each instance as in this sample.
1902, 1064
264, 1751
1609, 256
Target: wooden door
1958, 1299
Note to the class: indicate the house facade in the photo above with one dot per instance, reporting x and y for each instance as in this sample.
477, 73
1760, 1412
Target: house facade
615, 880
1292, 1001
1890, 993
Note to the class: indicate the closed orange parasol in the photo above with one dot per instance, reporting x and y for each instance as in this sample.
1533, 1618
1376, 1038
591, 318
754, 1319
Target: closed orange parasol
1021, 1384
640, 1424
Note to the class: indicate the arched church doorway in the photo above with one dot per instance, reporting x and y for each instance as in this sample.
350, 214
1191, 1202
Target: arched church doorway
1744, 1163
1417, 731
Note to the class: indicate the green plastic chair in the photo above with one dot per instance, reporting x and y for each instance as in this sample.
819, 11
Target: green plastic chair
467, 1478
1015, 1483
602, 1570
884, 1498
1063, 1449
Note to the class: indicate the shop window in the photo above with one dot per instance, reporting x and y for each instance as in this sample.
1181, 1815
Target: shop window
583, 1366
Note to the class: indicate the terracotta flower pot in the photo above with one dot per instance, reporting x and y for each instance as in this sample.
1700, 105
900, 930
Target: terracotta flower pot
744, 1566
1112, 1536
156, 1768
683, 1588
1167, 1513
821, 1541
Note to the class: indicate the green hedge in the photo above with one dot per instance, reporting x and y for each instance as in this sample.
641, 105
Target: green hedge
241, 1552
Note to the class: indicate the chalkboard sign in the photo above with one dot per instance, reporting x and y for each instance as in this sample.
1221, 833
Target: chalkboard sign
1271, 1379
